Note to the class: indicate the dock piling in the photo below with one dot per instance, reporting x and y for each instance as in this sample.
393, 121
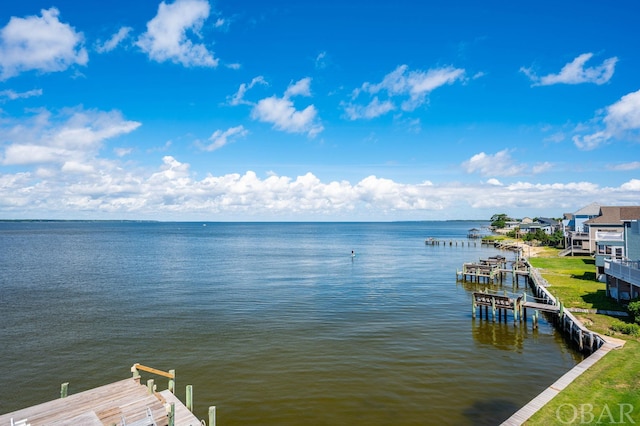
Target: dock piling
64, 390
212, 416
189, 397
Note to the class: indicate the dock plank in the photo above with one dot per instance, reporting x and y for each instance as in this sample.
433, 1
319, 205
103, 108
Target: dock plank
184, 417
107, 403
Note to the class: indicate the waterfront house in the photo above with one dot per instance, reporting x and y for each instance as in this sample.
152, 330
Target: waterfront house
548, 226
576, 232
623, 274
607, 234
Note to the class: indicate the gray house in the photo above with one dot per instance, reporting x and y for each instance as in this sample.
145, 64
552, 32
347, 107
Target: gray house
622, 268
576, 232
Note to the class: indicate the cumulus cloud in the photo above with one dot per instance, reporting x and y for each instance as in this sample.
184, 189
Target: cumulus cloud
282, 113
220, 138
171, 190
40, 43
498, 164
166, 36
300, 88
575, 72
633, 186
621, 119
12, 95
411, 88
114, 40
74, 136
373, 109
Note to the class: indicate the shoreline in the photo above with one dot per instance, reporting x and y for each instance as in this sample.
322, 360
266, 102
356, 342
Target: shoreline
543, 398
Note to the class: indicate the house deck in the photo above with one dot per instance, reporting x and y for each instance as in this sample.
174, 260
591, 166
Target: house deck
126, 401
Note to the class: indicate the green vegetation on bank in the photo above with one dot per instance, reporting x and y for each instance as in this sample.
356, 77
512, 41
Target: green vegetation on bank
609, 391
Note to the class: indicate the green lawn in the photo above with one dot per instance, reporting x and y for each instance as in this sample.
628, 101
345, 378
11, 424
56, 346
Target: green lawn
609, 392
573, 281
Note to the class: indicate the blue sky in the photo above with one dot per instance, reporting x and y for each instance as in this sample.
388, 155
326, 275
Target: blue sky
320, 110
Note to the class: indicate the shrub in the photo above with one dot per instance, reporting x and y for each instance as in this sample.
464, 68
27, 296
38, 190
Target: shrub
634, 311
626, 328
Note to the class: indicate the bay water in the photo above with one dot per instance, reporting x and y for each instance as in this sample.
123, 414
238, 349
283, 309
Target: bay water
273, 323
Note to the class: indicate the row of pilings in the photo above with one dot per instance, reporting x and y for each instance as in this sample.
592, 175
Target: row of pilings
571, 328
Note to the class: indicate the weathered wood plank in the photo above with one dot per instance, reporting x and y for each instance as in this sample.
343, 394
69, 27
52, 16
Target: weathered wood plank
184, 417
154, 371
108, 403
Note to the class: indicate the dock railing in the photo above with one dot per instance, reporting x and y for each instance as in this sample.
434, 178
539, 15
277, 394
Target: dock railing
171, 375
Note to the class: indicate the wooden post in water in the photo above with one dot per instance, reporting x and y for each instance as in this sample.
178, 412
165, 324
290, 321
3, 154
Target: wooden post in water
136, 373
172, 381
189, 397
212, 416
473, 306
64, 390
580, 343
171, 414
515, 310
493, 309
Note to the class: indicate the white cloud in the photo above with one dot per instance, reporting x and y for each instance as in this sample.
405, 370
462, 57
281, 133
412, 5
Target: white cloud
220, 138
105, 189
499, 164
632, 185
238, 97
374, 109
321, 60
621, 119
575, 72
114, 41
282, 113
74, 136
411, 87
166, 37
301, 87
13, 95
41, 43
634, 165
541, 167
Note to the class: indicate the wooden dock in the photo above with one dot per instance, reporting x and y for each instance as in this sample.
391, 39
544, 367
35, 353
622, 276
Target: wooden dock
123, 403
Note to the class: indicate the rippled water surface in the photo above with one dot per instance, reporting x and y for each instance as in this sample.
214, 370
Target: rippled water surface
274, 324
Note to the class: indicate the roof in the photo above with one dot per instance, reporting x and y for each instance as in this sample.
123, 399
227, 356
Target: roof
592, 209
615, 215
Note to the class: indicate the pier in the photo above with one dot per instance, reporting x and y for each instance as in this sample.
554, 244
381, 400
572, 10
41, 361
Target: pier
123, 403
493, 270
452, 243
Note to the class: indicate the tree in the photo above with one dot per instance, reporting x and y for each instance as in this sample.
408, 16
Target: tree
499, 220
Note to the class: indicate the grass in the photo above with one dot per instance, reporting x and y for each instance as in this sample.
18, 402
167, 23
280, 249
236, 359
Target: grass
573, 281
602, 391
608, 392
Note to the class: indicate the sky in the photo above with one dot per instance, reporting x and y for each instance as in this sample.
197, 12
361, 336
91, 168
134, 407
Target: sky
288, 110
